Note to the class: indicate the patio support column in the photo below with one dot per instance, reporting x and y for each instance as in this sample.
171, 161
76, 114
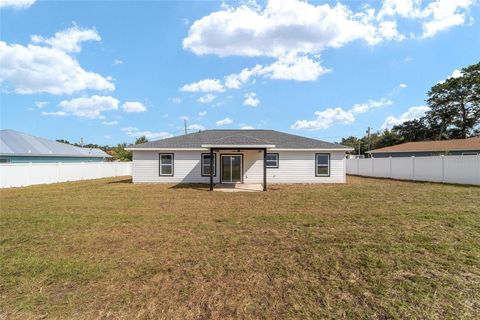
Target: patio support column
265, 169
212, 165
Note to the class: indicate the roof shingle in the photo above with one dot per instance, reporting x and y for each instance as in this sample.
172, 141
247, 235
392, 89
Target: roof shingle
281, 140
439, 146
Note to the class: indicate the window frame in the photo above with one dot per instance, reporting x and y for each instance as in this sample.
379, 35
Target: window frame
160, 164
214, 164
317, 165
278, 161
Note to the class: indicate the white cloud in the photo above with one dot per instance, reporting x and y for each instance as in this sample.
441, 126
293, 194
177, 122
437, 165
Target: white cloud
202, 113
133, 106
436, 16
412, 113
280, 28
456, 74
325, 119
236, 80
198, 127
403, 85
251, 100
54, 113
293, 67
68, 40
117, 62
89, 107
110, 123
16, 4
207, 98
207, 85
41, 104
135, 133
107, 136
444, 14
41, 69
175, 100
246, 127
184, 118
330, 116
224, 122
369, 105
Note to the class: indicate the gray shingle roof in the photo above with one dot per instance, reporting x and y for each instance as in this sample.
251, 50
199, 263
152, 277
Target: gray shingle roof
281, 140
16, 143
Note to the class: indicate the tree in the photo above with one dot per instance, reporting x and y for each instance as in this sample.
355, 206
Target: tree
120, 154
455, 105
141, 139
414, 130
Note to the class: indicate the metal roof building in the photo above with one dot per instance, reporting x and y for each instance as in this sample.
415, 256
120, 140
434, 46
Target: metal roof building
19, 147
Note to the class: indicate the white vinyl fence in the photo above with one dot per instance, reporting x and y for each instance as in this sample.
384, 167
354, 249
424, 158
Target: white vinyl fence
449, 169
26, 174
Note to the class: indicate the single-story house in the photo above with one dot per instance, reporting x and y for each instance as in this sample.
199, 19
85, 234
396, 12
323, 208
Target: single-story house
241, 156
19, 147
469, 146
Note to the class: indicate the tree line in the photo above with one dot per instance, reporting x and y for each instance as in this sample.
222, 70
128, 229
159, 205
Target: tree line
454, 113
117, 152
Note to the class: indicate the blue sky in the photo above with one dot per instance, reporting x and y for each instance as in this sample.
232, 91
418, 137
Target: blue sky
109, 71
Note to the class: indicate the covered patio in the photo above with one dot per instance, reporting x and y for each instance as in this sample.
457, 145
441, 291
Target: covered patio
231, 152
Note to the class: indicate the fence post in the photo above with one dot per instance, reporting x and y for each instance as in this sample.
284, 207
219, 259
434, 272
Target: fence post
29, 174
58, 171
390, 170
413, 167
443, 168
372, 167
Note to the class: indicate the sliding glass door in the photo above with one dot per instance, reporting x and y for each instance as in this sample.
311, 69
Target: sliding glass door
231, 168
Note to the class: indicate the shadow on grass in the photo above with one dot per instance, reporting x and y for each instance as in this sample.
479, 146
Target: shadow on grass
195, 186
129, 180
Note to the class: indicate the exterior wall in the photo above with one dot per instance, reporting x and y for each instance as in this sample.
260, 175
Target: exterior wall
25, 159
294, 167
420, 154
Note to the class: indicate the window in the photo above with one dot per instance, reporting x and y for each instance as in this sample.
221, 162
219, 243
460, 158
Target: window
206, 164
272, 160
322, 164
166, 164
3, 160
469, 153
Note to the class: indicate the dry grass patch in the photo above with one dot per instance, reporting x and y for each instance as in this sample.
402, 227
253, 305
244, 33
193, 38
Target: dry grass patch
366, 249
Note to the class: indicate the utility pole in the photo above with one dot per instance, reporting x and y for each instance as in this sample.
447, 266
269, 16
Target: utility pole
185, 125
359, 146
81, 142
368, 133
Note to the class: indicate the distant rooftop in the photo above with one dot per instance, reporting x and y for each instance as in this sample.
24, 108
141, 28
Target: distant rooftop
14, 143
233, 138
438, 146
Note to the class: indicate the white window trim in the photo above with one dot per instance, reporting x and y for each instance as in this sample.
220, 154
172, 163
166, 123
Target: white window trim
161, 165
277, 161
317, 165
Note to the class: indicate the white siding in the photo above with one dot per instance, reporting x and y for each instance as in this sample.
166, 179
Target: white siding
294, 167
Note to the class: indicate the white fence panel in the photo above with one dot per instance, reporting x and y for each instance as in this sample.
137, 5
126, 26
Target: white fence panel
451, 169
26, 174
460, 169
382, 168
365, 167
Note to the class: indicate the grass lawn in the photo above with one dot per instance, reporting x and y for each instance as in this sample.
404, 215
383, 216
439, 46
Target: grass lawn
371, 248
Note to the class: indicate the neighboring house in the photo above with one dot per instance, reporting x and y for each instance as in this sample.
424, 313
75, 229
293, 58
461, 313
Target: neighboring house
18, 147
239, 156
470, 146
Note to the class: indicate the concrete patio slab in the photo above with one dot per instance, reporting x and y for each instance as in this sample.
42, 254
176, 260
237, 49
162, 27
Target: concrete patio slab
238, 187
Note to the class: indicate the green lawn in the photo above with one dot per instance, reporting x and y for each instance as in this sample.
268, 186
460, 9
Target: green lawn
371, 248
